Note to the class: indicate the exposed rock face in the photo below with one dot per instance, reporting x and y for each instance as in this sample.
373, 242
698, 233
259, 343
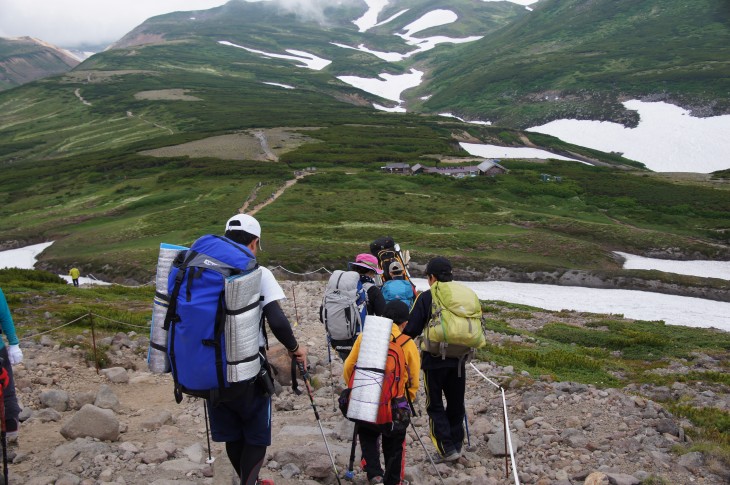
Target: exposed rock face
27, 59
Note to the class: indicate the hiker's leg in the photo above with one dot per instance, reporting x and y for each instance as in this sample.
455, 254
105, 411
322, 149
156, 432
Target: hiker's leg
438, 421
454, 388
234, 450
394, 453
370, 452
251, 460
245, 423
12, 408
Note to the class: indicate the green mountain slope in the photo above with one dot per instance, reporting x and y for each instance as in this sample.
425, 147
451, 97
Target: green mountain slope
110, 159
102, 104
579, 59
25, 59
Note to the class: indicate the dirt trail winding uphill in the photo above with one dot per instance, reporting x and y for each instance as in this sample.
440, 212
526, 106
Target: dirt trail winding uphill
277, 194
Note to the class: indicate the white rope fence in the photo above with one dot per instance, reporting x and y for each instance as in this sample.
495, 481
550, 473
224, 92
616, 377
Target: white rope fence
90, 316
303, 274
508, 435
57, 328
119, 322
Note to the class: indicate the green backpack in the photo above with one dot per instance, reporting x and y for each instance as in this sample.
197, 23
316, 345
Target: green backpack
455, 328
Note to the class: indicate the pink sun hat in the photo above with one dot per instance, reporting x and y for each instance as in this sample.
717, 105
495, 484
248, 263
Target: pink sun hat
368, 261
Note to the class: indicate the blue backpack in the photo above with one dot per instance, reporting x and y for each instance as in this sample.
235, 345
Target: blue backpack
398, 290
197, 313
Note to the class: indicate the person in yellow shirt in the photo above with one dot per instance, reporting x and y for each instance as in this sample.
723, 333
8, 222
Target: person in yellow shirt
74, 273
368, 434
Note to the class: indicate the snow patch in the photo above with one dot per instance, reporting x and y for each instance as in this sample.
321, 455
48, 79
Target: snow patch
389, 86
396, 109
370, 18
703, 269
285, 86
474, 122
495, 151
23, 258
667, 138
639, 305
434, 18
310, 61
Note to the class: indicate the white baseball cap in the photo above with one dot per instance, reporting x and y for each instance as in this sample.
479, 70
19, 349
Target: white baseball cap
245, 222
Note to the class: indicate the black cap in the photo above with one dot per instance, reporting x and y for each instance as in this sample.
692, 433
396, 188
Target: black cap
397, 311
440, 267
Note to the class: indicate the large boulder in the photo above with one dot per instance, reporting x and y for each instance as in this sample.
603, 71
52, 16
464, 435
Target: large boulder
55, 399
93, 422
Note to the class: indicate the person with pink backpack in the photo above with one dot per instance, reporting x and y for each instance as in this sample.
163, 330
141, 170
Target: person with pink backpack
367, 267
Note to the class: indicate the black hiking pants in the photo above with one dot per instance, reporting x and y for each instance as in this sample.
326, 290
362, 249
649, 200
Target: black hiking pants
12, 408
394, 452
446, 424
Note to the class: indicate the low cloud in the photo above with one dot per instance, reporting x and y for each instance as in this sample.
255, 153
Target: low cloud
73, 23
313, 10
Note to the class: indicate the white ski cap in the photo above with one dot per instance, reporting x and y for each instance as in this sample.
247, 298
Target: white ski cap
244, 222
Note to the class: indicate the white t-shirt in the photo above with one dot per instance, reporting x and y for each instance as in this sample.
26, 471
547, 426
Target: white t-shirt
271, 291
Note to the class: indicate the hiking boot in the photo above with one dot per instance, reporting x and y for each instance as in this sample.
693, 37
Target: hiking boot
447, 458
377, 479
264, 481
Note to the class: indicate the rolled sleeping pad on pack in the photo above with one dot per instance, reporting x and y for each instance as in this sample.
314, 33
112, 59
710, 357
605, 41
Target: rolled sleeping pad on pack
367, 384
243, 324
157, 359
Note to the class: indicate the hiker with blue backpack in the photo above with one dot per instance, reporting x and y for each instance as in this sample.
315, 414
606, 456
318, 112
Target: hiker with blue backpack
219, 297
398, 287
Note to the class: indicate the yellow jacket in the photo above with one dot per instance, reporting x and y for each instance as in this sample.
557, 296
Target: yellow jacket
413, 362
74, 273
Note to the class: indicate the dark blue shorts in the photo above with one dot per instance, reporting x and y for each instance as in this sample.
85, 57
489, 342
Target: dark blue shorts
246, 418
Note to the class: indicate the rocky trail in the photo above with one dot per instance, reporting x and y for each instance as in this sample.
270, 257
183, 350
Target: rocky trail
122, 426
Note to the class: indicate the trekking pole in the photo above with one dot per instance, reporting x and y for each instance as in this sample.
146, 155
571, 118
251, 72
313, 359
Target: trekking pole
466, 425
428, 455
3, 429
305, 378
210, 459
296, 312
350, 474
4, 438
332, 379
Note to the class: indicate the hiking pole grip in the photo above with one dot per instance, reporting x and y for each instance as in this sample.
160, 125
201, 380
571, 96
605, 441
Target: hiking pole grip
306, 378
